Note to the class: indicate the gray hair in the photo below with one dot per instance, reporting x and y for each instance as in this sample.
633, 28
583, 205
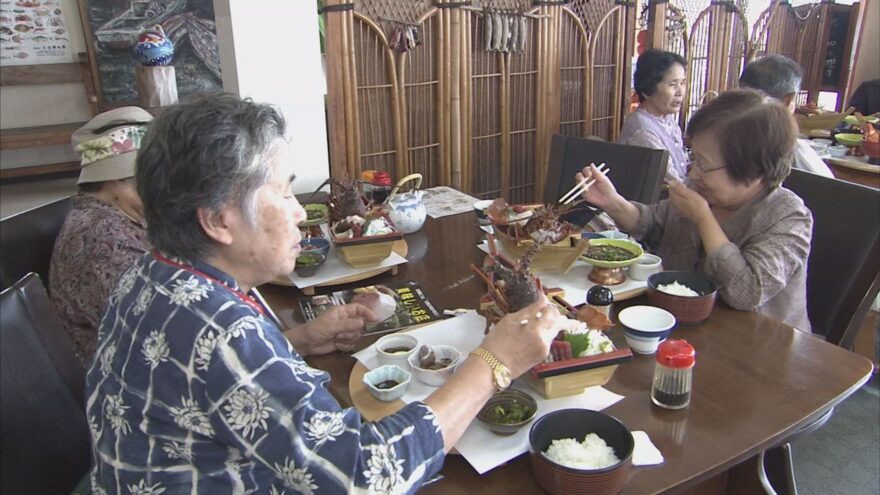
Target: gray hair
205, 153
776, 75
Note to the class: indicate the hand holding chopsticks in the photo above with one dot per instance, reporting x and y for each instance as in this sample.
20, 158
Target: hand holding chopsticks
582, 186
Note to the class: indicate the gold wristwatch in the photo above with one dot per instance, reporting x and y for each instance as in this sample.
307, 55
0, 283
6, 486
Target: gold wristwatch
500, 373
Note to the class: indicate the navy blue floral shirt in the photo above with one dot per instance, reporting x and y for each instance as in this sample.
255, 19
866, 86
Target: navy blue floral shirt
195, 390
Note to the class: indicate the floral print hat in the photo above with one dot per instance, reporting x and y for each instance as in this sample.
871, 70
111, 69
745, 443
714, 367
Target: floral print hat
109, 142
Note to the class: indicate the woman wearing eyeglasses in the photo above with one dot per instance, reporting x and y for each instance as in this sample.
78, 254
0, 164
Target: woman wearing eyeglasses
730, 219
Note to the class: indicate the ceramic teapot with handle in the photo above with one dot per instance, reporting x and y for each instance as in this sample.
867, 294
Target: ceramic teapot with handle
406, 209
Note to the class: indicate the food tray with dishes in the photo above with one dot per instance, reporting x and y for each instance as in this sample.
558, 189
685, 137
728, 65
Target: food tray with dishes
519, 228
581, 355
464, 333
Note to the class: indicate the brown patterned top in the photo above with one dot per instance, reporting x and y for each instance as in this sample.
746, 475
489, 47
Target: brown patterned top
763, 267
95, 245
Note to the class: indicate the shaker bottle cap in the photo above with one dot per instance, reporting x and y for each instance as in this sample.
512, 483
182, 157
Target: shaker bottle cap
600, 295
676, 353
381, 178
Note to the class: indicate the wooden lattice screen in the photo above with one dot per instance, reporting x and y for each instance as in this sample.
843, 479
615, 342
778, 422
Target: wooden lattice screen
459, 115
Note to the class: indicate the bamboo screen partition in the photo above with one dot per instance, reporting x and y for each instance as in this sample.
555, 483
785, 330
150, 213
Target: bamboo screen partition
480, 121
717, 52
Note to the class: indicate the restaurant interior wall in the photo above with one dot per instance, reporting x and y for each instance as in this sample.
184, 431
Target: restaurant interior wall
463, 116
46, 104
299, 90
867, 64
277, 59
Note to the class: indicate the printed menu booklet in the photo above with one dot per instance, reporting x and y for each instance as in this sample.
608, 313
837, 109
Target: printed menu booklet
413, 307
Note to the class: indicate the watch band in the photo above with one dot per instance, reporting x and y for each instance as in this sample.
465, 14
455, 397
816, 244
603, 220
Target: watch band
498, 369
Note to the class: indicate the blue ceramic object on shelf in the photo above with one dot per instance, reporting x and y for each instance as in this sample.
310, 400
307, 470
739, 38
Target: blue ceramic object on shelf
154, 47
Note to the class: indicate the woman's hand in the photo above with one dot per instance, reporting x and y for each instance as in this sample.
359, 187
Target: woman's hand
694, 207
689, 202
602, 193
522, 339
336, 329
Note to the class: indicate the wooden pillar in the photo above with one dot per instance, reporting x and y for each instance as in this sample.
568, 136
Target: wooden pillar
341, 90
656, 23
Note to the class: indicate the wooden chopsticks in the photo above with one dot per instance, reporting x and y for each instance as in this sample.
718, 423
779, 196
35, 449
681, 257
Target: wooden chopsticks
582, 186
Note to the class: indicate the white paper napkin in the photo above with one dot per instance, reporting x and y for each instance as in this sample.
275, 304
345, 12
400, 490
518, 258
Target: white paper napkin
485, 450
645, 453
576, 282
465, 332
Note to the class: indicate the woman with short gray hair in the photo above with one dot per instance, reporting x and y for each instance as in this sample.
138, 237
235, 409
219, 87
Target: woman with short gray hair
780, 77
194, 376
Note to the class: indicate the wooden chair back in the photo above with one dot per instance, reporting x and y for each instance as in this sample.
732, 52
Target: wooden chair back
843, 272
636, 172
45, 435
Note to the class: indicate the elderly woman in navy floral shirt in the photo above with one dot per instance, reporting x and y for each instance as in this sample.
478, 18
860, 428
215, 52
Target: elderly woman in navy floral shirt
196, 388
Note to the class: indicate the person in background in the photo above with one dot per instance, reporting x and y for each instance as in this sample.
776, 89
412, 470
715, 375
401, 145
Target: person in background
196, 388
104, 233
660, 81
866, 98
780, 77
731, 219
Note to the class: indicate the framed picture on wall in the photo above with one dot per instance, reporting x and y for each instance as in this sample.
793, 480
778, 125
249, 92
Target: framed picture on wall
111, 29
33, 33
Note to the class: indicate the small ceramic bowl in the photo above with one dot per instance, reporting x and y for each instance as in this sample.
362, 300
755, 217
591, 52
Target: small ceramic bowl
820, 145
396, 349
508, 411
558, 479
645, 266
480, 210
836, 151
686, 309
645, 327
387, 382
314, 245
317, 214
309, 264
849, 139
435, 378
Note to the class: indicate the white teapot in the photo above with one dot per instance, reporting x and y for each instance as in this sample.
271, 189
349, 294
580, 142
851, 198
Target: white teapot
407, 210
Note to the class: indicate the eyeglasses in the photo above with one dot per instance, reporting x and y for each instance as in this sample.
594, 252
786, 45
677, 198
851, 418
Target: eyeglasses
701, 168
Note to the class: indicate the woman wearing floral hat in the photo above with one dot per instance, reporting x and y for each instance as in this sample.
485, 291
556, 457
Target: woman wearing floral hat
105, 232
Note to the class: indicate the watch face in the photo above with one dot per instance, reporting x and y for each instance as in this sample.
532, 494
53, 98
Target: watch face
502, 379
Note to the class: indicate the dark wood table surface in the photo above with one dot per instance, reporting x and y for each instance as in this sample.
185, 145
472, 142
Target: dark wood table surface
755, 382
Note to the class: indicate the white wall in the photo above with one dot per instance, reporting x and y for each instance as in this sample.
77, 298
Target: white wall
276, 59
867, 66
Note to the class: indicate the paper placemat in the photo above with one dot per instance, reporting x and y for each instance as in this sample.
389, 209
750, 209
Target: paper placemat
336, 268
576, 282
465, 332
442, 201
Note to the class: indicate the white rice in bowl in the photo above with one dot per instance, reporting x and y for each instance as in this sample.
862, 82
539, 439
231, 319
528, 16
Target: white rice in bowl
592, 453
677, 289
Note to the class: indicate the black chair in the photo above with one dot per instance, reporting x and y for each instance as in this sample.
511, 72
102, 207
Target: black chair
637, 172
843, 272
43, 428
843, 278
27, 239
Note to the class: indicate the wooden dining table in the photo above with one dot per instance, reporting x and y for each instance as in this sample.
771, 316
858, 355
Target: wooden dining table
756, 380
